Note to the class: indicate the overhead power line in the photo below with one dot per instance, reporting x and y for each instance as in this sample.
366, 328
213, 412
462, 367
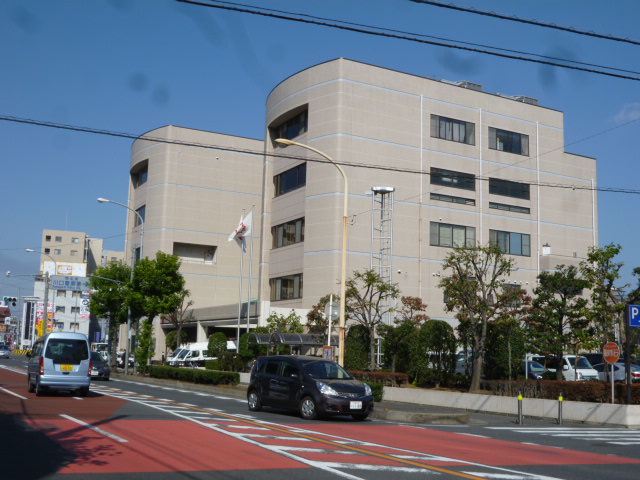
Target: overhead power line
537, 23
388, 33
261, 153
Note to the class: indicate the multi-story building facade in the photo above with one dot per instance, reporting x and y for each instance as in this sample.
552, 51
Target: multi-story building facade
68, 258
430, 164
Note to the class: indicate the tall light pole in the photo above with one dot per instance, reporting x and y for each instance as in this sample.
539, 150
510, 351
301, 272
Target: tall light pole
343, 275
133, 262
46, 278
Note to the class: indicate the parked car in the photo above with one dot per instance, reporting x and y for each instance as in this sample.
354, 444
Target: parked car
4, 351
99, 368
619, 372
313, 386
534, 369
60, 361
583, 371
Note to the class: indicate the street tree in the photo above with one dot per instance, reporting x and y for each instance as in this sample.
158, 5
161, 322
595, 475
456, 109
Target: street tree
397, 338
433, 352
217, 345
178, 318
157, 288
558, 320
317, 321
474, 288
110, 287
601, 271
368, 299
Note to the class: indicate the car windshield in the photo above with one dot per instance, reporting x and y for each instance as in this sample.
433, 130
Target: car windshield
325, 370
535, 366
183, 353
582, 362
95, 356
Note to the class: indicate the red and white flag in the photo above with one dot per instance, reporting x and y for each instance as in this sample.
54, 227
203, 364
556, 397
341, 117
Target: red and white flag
242, 231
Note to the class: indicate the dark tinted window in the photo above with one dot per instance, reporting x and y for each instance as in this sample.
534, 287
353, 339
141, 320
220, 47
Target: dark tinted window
272, 367
289, 370
291, 179
450, 178
509, 189
324, 369
65, 350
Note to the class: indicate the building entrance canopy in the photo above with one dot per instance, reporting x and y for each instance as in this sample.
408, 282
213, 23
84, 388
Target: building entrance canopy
299, 339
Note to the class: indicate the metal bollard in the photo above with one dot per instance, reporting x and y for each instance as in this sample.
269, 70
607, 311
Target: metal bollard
560, 400
520, 408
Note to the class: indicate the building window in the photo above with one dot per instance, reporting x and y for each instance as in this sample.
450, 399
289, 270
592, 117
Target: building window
454, 130
58, 239
449, 198
61, 293
73, 253
446, 235
511, 243
288, 233
286, 288
195, 253
140, 211
509, 189
75, 240
47, 238
114, 259
47, 250
74, 326
513, 287
506, 141
509, 208
139, 177
57, 251
60, 309
449, 178
136, 254
291, 128
76, 294
291, 179
75, 309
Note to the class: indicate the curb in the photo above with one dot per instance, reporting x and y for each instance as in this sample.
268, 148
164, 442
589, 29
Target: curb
395, 415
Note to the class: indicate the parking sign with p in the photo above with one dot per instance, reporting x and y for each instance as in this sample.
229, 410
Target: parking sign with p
634, 315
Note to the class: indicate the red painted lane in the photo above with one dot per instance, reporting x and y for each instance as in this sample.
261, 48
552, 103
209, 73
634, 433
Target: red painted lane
467, 448
157, 446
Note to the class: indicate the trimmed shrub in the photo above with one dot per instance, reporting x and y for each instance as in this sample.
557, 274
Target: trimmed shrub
194, 375
377, 390
390, 379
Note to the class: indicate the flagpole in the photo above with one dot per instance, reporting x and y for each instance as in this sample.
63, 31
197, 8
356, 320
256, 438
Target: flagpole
240, 295
250, 268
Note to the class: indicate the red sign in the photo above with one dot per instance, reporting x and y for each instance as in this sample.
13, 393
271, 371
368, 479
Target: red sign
611, 352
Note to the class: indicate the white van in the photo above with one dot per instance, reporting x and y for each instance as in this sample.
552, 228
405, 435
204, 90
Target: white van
194, 354
584, 370
60, 361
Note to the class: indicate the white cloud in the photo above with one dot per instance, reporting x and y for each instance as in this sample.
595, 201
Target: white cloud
629, 112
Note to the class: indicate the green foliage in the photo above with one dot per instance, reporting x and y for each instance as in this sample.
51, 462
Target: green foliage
144, 350
398, 339
195, 375
366, 296
433, 353
506, 349
317, 322
356, 354
378, 390
217, 344
171, 339
292, 323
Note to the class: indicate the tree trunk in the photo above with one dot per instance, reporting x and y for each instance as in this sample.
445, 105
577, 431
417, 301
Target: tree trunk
372, 349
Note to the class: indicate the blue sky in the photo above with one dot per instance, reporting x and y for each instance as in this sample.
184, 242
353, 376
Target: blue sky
132, 66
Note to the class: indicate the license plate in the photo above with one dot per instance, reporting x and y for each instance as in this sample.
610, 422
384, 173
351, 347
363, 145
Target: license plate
355, 405
66, 368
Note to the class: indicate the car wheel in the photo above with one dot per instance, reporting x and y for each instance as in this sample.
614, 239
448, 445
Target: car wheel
30, 386
253, 400
308, 409
39, 389
359, 416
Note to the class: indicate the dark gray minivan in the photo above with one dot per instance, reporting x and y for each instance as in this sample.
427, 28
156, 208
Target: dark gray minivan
60, 361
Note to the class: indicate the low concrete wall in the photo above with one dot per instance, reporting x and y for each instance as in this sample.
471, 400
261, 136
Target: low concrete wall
601, 413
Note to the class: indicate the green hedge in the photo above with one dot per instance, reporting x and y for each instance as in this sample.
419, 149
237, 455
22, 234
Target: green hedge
209, 377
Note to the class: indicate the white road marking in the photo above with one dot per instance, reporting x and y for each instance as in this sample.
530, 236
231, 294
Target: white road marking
13, 393
95, 429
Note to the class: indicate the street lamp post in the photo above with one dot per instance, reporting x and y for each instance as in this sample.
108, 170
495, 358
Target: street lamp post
343, 275
128, 349
46, 278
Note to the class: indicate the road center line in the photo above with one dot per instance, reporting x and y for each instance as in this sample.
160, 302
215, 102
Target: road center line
13, 393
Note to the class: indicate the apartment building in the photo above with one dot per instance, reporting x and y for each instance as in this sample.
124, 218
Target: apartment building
68, 257
431, 164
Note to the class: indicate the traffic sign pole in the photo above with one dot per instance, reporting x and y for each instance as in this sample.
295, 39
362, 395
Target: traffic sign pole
611, 354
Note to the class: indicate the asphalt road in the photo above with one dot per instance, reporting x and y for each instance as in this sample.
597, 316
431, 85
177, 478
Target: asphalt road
132, 430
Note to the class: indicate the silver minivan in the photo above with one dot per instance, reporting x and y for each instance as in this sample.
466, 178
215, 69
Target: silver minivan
60, 361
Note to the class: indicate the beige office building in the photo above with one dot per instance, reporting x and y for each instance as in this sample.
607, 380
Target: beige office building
430, 164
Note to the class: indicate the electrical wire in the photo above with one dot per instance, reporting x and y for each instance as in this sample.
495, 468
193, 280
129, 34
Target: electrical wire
537, 23
262, 154
388, 34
